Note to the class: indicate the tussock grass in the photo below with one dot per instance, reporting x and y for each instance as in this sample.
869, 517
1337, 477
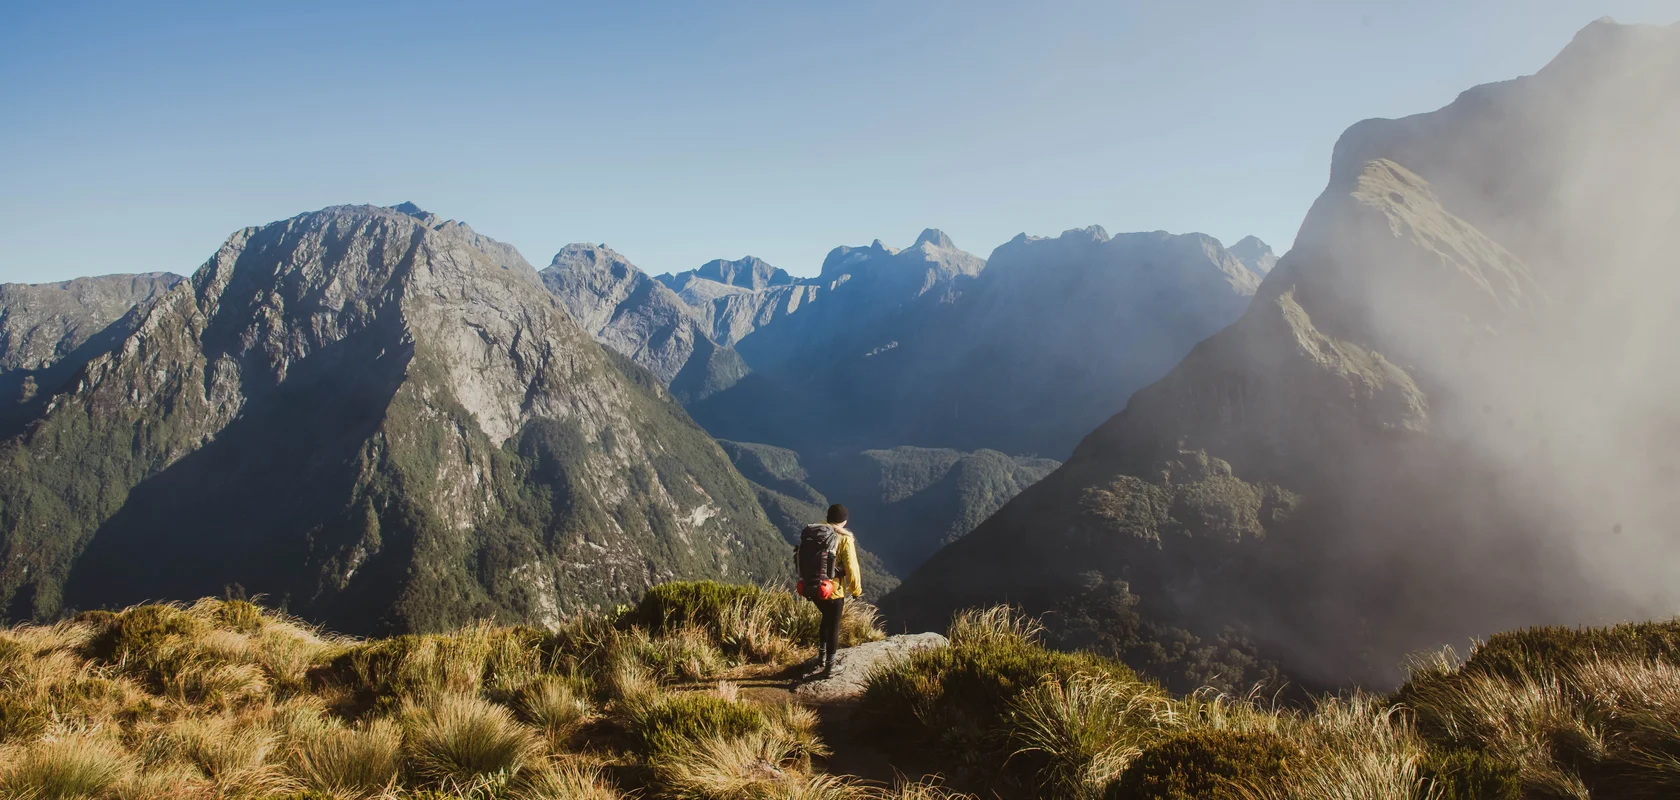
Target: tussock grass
556, 707
349, 762
1080, 733
960, 702
73, 767
746, 623
457, 740
1542, 713
684, 653
1574, 714
225, 699
751, 764
239, 757
672, 722
569, 782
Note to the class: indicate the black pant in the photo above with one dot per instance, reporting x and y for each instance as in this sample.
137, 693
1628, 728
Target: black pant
829, 633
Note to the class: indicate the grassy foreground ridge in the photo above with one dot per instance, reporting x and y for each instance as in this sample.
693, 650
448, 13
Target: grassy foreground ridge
226, 699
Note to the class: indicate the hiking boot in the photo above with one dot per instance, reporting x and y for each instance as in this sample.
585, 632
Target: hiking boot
813, 667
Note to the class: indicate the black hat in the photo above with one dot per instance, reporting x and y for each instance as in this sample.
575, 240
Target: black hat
836, 514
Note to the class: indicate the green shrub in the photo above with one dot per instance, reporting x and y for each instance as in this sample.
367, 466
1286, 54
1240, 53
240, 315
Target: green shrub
380, 674
745, 622
685, 653
235, 615
1470, 775
960, 700
1204, 764
674, 605
150, 643
674, 722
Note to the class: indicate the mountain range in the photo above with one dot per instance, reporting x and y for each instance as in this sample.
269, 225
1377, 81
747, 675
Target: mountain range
888, 347
380, 420
1447, 410
1444, 411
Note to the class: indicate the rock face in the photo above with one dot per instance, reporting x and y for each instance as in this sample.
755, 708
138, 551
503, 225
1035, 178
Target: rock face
642, 319
380, 420
852, 666
1444, 412
691, 324
1024, 357
48, 330
749, 273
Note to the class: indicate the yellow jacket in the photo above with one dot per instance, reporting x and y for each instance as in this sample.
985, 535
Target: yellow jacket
850, 578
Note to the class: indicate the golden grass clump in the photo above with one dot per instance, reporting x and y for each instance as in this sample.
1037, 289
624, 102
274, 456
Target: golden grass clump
1082, 731
556, 707
239, 757
69, 767
349, 762
569, 781
455, 740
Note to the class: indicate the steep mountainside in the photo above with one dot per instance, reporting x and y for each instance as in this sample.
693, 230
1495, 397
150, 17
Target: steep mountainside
1026, 357
906, 502
382, 421
1445, 412
639, 317
48, 330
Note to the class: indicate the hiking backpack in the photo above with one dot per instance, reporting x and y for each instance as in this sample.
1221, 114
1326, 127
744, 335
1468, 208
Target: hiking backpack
817, 557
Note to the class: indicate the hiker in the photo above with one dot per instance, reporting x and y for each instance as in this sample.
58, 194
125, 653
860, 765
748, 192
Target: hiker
828, 574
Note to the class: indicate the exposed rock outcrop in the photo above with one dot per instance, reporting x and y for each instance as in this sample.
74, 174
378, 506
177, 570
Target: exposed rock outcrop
852, 666
48, 330
641, 319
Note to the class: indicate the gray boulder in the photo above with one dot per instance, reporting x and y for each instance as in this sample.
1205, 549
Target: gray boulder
852, 666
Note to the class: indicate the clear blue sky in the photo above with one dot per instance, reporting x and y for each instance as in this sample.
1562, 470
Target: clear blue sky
137, 136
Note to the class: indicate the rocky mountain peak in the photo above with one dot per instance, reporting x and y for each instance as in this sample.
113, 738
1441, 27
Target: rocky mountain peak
935, 237
591, 257
1254, 254
1095, 233
748, 272
409, 208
